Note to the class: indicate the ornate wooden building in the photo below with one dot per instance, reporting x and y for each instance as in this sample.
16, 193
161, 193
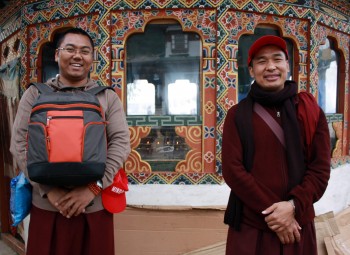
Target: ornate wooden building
178, 66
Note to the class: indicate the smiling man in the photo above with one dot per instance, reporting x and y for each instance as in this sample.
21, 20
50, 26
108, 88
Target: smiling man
72, 220
275, 158
74, 56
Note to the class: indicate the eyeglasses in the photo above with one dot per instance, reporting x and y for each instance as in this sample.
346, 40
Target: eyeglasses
72, 50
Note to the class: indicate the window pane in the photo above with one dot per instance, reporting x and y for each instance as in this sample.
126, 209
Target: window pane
141, 98
327, 77
182, 97
49, 65
163, 149
163, 66
245, 41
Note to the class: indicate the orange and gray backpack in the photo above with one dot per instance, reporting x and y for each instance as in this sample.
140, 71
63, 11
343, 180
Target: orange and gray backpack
66, 139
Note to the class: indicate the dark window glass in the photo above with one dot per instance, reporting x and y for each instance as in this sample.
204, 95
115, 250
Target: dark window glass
49, 65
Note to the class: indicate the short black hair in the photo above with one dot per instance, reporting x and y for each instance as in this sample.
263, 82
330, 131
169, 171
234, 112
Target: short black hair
73, 30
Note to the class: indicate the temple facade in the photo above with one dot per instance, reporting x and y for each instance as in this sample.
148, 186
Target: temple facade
177, 66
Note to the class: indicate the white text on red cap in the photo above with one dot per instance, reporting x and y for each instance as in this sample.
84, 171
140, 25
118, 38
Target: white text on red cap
117, 190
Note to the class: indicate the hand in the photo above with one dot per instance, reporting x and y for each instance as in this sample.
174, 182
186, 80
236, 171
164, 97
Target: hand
75, 201
291, 234
54, 195
280, 216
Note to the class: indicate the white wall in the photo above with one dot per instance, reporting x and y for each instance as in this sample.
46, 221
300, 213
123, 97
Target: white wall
336, 197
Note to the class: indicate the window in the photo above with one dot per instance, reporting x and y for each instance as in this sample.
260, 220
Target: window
49, 66
245, 41
163, 77
163, 71
328, 75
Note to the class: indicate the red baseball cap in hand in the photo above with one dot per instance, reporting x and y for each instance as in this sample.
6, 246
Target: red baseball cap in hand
113, 197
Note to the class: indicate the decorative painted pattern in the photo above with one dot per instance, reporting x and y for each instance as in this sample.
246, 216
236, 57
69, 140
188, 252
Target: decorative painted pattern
234, 24
201, 21
334, 118
10, 19
218, 22
42, 33
47, 17
188, 171
168, 120
193, 161
134, 163
339, 6
10, 49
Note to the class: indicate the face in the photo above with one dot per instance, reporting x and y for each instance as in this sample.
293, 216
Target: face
270, 68
74, 64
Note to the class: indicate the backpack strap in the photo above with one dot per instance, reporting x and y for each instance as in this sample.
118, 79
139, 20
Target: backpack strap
99, 89
94, 91
271, 122
42, 87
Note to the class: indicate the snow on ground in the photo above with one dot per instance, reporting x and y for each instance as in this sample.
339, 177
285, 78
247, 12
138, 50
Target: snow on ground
336, 197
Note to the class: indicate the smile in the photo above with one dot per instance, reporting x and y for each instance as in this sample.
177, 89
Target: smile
272, 77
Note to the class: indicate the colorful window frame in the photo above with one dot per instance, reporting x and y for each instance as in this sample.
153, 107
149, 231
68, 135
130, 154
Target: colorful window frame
198, 131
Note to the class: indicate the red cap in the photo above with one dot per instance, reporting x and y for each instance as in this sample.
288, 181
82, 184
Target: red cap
264, 41
113, 197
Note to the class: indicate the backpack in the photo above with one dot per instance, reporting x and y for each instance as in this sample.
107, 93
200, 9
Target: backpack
66, 139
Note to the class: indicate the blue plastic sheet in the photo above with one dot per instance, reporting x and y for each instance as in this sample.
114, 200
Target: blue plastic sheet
21, 198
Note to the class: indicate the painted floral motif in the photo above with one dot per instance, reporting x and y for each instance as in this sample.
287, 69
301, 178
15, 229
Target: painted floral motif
219, 22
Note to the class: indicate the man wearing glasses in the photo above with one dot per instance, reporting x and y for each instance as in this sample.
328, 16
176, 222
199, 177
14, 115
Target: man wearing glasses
73, 221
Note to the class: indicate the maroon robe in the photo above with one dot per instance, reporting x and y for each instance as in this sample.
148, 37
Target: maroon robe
86, 234
267, 182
